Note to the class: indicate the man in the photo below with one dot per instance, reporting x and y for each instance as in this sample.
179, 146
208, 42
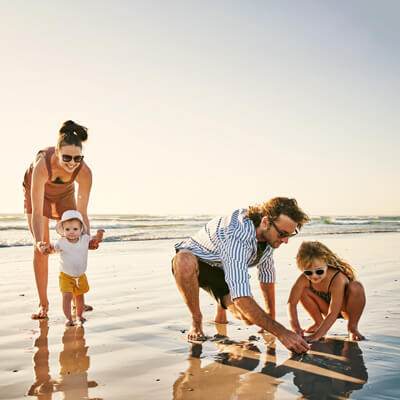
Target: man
217, 259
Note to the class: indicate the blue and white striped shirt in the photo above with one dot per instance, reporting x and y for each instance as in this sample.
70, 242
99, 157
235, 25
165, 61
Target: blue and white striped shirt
230, 243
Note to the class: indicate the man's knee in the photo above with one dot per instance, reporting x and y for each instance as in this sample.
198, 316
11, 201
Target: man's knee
185, 264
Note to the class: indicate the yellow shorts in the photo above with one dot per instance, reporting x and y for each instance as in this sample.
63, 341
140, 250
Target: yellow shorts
68, 284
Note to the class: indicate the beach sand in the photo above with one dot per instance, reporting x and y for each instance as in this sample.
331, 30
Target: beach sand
133, 344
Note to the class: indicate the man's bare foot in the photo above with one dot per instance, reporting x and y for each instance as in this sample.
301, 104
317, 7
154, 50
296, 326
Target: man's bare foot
355, 334
312, 328
42, 313
196, 333
220, 317
69, 322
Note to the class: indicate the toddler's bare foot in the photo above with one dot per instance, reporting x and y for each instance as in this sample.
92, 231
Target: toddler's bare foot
355, 334
86, 307
196, 333
312, 328
69, 322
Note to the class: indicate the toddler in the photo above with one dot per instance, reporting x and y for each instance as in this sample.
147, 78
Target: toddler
73, 249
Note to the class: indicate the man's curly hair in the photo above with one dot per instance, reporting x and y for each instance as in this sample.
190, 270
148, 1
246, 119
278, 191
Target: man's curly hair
274, 208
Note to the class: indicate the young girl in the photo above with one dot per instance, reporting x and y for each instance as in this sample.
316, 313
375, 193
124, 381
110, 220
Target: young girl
73, 248
327, 287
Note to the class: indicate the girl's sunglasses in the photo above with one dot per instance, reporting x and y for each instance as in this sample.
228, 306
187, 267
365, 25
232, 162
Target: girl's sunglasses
68, 158
317, 271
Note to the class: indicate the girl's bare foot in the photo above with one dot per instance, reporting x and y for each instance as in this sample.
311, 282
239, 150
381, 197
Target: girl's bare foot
312, 328
69, 322
355, 334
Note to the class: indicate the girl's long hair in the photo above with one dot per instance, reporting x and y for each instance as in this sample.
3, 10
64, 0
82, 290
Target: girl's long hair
309, 251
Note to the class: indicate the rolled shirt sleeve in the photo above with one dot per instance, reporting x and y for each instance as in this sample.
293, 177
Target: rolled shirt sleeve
266, 271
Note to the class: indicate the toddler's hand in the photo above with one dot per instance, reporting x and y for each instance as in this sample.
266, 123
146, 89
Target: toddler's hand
44, 248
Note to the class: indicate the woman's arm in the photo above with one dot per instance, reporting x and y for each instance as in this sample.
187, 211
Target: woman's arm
294, 298
84, 180
337, 296
39, 179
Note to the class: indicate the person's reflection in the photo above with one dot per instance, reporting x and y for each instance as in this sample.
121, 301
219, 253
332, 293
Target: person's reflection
42, 388
225, 378
332, 369
74, 364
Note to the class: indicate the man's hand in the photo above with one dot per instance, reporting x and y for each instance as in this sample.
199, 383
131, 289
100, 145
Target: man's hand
293, 341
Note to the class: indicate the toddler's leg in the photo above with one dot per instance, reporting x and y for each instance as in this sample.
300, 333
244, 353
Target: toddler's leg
315, 306
67, 297
354, 306
79, 301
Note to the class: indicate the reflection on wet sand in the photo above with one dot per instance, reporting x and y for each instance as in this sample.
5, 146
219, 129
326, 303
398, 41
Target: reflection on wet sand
332, 369
74, 363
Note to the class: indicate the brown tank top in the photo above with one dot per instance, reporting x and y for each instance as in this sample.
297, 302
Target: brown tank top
52, 191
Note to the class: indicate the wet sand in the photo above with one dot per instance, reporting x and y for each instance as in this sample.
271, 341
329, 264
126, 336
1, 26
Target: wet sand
133, 344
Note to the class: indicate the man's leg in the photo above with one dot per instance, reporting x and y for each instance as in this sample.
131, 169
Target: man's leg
186, 272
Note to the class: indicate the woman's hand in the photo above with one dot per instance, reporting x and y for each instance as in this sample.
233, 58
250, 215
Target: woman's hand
44, 248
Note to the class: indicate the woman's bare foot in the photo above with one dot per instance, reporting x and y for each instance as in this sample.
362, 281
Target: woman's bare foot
196, 332
312, 328
86, 307
42, 312
69, 322
355, 334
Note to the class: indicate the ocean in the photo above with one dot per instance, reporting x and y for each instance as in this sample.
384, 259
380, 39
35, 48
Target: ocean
119, 228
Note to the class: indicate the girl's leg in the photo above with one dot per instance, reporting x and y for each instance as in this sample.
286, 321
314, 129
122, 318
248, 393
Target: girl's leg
220, 317
79, 302
354, 304
67, 298
315, 306
40, 267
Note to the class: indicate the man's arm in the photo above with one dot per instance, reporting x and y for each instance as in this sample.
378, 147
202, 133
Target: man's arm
256, 315
268, 291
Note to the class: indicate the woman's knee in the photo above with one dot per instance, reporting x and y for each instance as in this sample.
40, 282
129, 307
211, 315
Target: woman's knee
185, 263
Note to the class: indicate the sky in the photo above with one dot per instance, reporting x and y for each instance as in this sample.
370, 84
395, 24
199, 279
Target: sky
205, 107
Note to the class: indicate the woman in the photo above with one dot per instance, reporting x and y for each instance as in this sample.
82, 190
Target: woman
49, 191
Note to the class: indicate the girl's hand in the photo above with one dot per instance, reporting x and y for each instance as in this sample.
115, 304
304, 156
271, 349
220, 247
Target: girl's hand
313, 338
300, 331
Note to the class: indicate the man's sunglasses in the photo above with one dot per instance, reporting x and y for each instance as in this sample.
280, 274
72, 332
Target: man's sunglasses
317, 271
284, 234
68, 158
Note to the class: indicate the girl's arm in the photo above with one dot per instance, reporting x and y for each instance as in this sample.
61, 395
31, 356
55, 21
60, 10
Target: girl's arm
337, 296
39, 179
84, 180
294, 298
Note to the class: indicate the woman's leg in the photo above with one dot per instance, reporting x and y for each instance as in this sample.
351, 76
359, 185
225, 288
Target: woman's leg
354, 304
315, 306
40, 267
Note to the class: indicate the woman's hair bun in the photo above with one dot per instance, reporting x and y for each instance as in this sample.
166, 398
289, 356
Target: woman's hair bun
70, 128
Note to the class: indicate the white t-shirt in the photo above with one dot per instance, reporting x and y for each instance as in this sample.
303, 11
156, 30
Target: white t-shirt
73, 256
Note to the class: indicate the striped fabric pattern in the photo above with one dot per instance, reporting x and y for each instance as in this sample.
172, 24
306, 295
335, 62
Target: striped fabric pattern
230, 243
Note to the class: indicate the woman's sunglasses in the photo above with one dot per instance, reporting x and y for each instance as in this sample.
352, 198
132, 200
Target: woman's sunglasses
68, 158
317, 271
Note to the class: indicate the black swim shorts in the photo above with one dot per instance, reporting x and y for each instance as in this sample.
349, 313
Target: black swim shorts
212, 280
